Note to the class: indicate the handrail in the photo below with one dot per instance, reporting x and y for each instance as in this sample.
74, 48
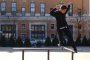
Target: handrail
44, 49
62, 49
41, 49
47, 49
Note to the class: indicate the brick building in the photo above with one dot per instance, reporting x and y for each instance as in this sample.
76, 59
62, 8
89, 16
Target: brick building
31, 18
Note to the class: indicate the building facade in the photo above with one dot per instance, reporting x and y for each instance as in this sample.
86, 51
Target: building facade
31, 18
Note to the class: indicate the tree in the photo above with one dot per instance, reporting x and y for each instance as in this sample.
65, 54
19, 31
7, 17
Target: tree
19, 42
3, 41
12, 42
27, 42
89, 42
55, 42
84, 41
48, 42
78, 41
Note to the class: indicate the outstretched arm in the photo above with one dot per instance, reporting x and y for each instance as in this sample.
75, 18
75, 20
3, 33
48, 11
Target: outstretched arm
67, 9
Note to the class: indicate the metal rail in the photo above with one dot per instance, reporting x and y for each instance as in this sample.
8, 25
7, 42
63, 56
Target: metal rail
48, 51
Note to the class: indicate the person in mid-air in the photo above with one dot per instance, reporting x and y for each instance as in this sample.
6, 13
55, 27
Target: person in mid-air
59, 12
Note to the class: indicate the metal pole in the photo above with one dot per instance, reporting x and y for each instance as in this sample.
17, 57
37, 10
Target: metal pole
22, 54
48, 55
72, 58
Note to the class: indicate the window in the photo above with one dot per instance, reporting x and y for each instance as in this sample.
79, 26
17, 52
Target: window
70, 12
79, 12
13, 9
52, 26
8, 30
43, 28
42, 9
23, 26
32, 27
3, 8
23, 11
37, 31
32, 9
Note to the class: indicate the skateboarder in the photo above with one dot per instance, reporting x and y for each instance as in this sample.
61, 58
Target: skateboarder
59, 12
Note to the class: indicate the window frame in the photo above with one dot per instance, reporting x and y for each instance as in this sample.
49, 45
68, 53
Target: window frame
13, 13
8, 29
3, 13
23, 12
37, 32
52, 26
32, 13
42, 13
23, 26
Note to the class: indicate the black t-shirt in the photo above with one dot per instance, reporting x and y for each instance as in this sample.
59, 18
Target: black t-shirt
60, 17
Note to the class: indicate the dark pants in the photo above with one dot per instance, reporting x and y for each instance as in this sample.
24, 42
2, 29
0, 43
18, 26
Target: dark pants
67, 33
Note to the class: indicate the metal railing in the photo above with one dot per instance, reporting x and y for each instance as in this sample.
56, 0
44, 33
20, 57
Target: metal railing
48, 50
